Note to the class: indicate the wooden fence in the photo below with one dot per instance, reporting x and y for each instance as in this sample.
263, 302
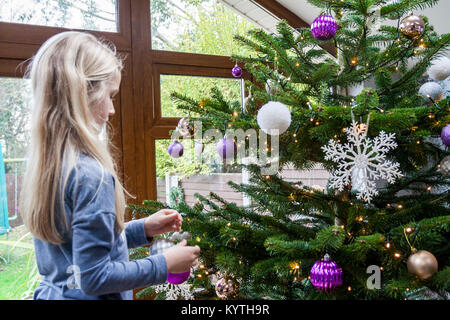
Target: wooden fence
217, 183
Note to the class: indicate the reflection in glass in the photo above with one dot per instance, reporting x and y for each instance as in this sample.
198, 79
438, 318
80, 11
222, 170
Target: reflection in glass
196, 88
83, 14
200, 26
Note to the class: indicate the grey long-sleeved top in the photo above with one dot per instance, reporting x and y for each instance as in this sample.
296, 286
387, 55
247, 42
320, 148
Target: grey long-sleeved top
93, 263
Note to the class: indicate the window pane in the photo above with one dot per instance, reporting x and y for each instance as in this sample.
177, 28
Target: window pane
195, 88
200, 26
83, 14
15, 113
193, 175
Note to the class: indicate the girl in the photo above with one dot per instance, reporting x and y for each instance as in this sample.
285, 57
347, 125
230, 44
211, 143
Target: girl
73, 202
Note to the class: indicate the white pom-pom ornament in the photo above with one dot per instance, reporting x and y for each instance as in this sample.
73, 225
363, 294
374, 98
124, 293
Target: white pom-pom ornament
274, 116
440, 69
431, 90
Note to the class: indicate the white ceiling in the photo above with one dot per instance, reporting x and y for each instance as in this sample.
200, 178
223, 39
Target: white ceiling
438, 15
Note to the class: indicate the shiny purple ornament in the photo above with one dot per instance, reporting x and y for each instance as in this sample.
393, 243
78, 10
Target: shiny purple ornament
177, 278
324, 27
226, 148
326, 275
445, 135
236, 71
175, 149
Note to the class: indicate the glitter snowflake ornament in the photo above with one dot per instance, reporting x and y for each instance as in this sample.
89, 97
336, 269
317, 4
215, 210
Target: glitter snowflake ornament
173, 292
362, 160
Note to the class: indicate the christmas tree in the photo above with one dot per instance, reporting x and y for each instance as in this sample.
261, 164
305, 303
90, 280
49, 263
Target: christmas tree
381, 228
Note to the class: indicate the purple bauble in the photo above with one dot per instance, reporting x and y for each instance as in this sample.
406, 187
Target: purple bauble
445, 135
324, 27
177, 278
326, 275
176, 149
226, 148
237, 71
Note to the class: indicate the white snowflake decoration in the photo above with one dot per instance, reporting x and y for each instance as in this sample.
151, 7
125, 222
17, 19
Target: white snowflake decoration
362, 160
173, 292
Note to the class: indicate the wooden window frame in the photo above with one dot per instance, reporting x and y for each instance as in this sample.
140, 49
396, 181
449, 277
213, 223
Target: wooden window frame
137, 122
138, 119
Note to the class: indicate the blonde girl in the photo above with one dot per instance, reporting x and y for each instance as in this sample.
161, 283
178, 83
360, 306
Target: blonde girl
73, 201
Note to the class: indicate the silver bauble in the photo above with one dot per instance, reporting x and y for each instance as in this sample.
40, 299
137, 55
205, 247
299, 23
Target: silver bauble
431, 90
160, 246
226, 288
184, 127
444, 167
412, 26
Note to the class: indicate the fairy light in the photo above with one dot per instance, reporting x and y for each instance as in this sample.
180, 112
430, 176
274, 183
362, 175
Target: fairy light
235, 113
409, 229
400, 206
381, 268
198, 239
354, 61
397, 255
297, 64
229, 224
388, 245
349, 288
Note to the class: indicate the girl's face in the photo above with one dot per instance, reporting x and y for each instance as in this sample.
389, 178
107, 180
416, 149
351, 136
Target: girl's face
105, 107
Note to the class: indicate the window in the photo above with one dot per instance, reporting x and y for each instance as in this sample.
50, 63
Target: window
195, 88
191, 175
15, 114
83, 14
200, 26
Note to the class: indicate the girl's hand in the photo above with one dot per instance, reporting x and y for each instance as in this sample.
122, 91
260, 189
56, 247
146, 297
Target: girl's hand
181, 257
165, 220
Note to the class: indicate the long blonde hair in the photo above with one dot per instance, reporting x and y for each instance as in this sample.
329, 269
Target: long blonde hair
69, 74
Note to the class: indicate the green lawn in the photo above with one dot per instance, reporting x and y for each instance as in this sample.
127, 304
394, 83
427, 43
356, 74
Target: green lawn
19, 277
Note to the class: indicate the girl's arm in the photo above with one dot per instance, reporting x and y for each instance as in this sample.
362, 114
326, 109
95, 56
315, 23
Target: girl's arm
93, 239
135, 233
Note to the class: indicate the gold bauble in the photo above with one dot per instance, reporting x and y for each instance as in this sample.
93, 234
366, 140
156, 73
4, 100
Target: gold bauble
184, 127
423, 264
412, 26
